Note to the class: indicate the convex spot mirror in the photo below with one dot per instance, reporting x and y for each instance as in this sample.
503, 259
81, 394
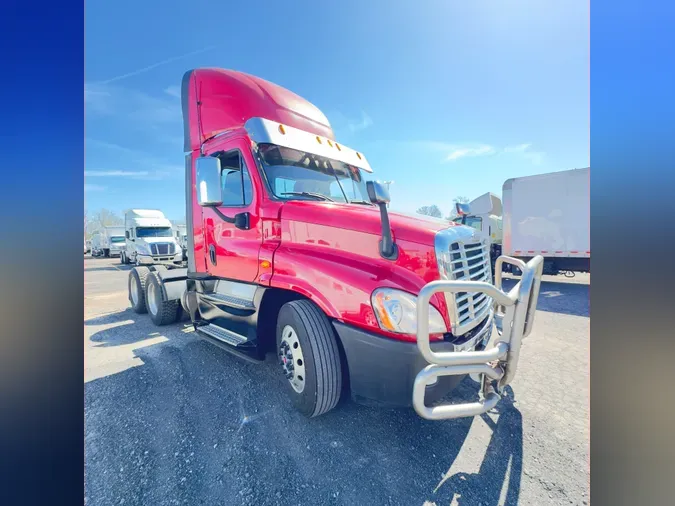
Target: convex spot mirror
209, 191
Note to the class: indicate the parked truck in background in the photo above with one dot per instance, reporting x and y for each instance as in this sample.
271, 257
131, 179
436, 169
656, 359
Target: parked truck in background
545, 214
484, 214
108, 242
550, 215
181, 238
293, 251
150, 238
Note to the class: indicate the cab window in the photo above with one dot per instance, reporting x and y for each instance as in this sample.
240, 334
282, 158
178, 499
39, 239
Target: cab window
474, 222
235, 179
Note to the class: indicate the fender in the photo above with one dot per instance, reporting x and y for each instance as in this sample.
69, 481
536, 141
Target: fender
341, 282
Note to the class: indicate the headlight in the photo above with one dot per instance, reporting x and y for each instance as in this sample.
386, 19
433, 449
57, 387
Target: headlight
396, 311
142, 249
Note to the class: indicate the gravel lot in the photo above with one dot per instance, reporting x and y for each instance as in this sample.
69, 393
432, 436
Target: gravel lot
171, 419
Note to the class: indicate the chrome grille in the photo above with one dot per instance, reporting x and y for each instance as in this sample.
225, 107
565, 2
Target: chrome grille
163, 248
464, 257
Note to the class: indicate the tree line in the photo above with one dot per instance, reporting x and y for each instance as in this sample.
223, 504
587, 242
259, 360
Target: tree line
435, 211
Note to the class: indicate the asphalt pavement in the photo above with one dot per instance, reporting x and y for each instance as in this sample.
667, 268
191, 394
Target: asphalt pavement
171, 419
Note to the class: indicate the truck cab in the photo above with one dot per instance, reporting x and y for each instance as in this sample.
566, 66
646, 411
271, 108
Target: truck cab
149, 238
484, 214
292, 251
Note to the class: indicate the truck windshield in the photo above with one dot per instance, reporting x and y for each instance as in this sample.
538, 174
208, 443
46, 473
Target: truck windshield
153, 232
117, 239
294, 174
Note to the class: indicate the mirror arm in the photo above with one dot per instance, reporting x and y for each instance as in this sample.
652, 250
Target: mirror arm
222, 216
388, 249
244, 226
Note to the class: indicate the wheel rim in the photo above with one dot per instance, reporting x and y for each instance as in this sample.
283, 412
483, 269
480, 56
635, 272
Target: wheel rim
291, 358
153, 303
135, 290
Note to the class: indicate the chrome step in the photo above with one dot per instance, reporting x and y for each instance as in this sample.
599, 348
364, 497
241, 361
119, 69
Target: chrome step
228, 300
227, 336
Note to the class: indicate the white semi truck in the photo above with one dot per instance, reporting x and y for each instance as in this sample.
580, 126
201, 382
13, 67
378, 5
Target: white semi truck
150, 238
545, 214
108, 241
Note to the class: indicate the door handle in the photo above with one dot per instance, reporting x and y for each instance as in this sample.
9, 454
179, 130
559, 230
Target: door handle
212, 254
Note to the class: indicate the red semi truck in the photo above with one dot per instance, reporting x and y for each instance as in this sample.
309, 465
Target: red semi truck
292, 250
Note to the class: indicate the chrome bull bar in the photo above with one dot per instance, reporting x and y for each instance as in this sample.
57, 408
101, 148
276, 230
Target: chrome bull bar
513, 314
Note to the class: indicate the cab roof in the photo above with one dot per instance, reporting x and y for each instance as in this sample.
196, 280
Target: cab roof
218, 100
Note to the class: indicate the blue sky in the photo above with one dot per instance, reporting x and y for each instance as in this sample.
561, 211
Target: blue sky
444, 98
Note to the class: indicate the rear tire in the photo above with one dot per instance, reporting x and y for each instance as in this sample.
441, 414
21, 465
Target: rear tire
161, 311
137, 280
301, 322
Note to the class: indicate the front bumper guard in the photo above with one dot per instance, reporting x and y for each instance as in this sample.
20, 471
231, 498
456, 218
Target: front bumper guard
514, 316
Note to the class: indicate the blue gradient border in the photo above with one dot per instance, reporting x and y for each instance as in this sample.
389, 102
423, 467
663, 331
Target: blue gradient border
41, 359
632, 185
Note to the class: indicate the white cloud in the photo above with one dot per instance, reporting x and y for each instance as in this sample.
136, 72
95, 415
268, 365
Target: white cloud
157, 64
536, 157
150, 167
173, 91
518, 148
115, 173
361, 124
463, 152
93, 188
140, 107
453, 152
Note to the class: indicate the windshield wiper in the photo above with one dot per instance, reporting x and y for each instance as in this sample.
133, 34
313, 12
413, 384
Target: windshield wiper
319, 196
363, 202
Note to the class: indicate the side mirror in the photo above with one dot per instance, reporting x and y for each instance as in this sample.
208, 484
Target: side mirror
463, 209
377, 192
209, 192
126, 234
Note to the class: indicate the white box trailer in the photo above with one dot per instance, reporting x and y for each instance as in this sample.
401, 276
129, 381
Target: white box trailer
108, 241
549, 215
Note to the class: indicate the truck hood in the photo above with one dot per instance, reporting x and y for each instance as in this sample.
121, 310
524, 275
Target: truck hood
407, 227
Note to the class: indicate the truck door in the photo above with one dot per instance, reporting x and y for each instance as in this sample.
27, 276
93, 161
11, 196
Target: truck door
232, 249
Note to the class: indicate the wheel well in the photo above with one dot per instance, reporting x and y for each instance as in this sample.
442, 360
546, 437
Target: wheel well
270, 305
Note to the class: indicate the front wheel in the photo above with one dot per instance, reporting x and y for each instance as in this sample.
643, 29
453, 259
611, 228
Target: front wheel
309, 357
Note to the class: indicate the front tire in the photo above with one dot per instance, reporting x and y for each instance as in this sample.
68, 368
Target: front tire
137, 279
309, 357
162, 312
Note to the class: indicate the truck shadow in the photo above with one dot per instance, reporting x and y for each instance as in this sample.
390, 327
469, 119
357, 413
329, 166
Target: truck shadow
501, 470
195, 423
556, 297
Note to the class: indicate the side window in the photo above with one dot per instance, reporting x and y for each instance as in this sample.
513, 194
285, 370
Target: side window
235, 179
474, 222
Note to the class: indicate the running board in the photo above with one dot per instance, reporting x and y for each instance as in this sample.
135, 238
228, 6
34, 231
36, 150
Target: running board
231, 342
227, 336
